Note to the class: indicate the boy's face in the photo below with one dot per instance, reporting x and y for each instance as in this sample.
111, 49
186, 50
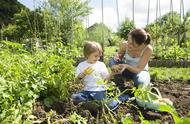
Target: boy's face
93, 57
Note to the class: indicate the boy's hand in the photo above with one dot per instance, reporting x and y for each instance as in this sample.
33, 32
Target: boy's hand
88, 71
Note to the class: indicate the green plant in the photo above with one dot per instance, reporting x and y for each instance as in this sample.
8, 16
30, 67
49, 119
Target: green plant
26, 77
125, 28
126, 120
77, 119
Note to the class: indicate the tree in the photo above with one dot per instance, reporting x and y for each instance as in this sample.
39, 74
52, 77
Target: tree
169, 25
57, 20
27, 24
169, 35
62, 17
125, 28
7, 10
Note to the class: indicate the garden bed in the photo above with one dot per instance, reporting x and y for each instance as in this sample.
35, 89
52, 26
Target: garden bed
178, 93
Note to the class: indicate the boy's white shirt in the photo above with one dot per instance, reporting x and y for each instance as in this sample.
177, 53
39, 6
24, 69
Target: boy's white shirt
92, 81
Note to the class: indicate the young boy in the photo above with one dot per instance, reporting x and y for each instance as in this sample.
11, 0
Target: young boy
92, 73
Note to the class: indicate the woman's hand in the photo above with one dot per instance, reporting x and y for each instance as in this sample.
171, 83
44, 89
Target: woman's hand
123, 67
117, 69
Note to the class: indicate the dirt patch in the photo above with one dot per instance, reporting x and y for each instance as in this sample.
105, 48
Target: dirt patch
178, 93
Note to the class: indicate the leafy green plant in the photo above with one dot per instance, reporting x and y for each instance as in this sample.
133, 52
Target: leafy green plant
77, 119
63, 20
144, 94
26, 77
126, 26
169, 36
126, 120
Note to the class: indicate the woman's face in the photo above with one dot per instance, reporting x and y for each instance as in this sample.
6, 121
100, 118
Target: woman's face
132, 44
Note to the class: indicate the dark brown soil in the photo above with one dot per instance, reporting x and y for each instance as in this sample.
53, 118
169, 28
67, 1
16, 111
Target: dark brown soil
178, 93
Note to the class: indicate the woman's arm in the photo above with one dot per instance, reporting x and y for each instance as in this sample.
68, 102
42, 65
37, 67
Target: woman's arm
142, 63
118, 57
122, 50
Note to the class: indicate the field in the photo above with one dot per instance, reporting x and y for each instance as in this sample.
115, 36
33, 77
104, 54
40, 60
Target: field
40, 48
36, 88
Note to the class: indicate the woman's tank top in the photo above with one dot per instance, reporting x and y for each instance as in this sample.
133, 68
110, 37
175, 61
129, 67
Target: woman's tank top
133, 61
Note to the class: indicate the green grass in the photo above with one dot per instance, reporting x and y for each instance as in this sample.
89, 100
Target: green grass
170, 74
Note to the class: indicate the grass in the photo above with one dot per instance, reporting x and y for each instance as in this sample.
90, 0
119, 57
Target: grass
170, 74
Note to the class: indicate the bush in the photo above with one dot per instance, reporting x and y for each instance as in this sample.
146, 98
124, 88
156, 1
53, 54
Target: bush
24, 77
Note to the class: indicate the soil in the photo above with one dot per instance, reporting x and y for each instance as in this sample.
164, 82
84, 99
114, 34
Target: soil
177, 92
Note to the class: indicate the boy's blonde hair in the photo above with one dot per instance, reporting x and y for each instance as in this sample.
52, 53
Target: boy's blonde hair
91, 47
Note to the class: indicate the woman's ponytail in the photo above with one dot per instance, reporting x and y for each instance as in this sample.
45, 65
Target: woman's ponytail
148, 39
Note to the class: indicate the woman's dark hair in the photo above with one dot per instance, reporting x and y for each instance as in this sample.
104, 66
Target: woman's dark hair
140, 36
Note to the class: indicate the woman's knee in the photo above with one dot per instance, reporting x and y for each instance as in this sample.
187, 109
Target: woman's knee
143, 78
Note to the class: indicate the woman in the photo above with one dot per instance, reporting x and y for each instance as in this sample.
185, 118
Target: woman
131, 62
